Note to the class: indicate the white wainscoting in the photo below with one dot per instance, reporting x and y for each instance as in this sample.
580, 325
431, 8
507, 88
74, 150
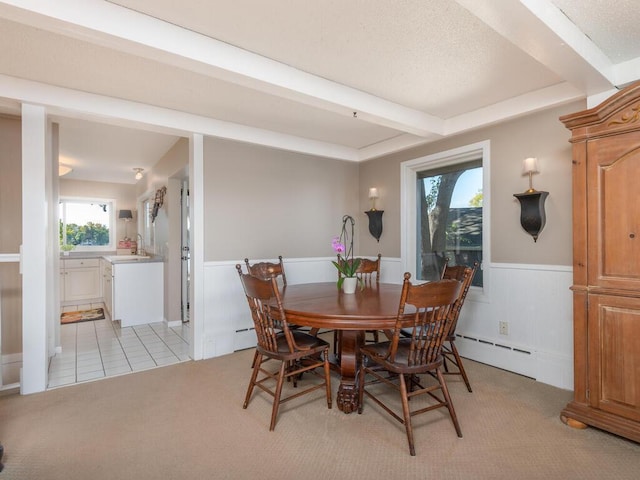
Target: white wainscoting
535, 300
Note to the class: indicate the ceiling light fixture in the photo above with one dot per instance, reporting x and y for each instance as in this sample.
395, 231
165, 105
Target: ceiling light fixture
138, 173
63, 169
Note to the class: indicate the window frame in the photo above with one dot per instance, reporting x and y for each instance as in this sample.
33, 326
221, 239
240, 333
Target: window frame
409, 205
145, 227
111, 246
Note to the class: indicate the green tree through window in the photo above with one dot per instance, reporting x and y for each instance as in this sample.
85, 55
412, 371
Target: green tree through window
86, 223
449, 218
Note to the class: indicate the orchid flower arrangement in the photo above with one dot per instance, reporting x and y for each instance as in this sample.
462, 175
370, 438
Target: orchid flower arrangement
347, 265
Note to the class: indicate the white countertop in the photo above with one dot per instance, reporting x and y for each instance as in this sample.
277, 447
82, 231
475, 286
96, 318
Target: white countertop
112, 257
132, 258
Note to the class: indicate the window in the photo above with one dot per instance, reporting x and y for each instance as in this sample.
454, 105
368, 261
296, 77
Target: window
146, 226
87, 223
445, 211
449, 219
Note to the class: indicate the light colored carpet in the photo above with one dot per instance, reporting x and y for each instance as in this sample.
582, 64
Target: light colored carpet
186, 422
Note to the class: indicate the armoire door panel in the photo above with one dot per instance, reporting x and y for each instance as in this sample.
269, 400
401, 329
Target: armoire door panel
606, 250
614, 368
613, 221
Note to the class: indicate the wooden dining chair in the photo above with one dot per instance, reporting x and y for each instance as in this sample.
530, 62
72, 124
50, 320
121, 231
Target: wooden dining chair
296, 351
367, 270
267, 270
425, 311
464, 275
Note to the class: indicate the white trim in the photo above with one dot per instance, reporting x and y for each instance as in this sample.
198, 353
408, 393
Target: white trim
11, 358
527, 266
35, 238
197, 247
69, 103
113, 241
113, 26
9, 257
408, 207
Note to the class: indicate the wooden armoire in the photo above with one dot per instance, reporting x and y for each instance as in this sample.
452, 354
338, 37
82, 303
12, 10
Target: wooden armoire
606, 265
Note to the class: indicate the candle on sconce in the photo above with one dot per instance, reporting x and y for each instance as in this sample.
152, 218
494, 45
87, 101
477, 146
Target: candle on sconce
373, 194
375, 216
529, 167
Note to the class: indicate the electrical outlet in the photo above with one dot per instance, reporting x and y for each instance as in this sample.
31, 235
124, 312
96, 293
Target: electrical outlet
504, 328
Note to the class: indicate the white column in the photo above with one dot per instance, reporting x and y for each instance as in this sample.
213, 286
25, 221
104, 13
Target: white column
196, 212
34, 248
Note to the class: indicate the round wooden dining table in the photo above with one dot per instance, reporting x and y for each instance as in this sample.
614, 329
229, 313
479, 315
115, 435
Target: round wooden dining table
324, 306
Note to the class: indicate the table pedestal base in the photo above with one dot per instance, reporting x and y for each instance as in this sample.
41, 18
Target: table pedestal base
348, 363
347, 399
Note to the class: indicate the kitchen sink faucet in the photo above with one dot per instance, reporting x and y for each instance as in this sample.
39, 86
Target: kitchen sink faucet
140, 246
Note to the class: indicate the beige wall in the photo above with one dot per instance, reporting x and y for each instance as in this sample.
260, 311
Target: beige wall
175, 160
537, 135
10, 233
124, 195
261, 202
173, 163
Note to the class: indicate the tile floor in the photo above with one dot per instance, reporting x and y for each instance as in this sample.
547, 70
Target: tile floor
101, 348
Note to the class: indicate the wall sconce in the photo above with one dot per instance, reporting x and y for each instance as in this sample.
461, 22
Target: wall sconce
127, 216
375, 216
532, 214
138, 172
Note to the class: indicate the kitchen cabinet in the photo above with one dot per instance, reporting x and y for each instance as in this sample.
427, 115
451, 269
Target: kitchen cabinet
80, 279
606, 268
138, 292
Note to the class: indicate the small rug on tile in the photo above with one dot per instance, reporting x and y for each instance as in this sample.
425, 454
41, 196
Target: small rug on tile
82, 316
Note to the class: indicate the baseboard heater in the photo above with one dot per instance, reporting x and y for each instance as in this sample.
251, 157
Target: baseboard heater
493, 344
245, 329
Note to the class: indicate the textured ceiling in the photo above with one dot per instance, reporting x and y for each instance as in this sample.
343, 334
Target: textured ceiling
292, 73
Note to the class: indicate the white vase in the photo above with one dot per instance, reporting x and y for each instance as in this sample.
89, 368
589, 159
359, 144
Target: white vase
349, 284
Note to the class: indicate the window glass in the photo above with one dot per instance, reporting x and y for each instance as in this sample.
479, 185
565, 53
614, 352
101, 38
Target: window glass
449, 219
147, 227
87, 223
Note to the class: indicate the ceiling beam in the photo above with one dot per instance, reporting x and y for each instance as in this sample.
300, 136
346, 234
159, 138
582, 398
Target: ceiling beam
545, 33
65, 102
105, 24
